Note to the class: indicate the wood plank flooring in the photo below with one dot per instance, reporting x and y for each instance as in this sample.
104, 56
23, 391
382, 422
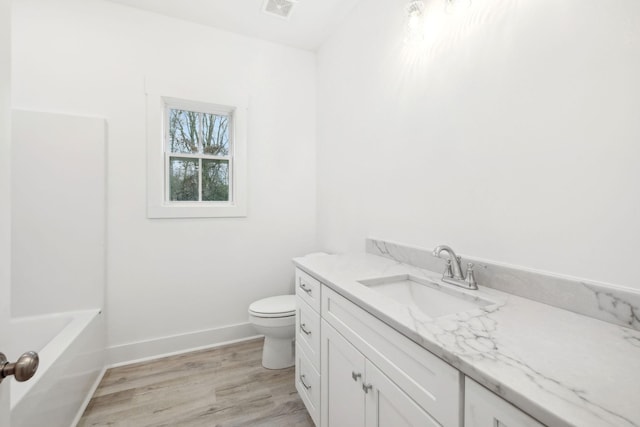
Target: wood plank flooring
225, 386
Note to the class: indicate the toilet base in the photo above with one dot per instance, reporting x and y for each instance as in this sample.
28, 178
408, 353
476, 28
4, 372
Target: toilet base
278, 353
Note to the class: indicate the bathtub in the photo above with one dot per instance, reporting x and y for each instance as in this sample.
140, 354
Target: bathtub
71, 348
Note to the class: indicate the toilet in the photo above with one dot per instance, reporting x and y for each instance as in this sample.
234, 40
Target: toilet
275, 318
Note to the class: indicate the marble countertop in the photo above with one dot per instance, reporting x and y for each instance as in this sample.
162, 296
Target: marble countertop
562, 368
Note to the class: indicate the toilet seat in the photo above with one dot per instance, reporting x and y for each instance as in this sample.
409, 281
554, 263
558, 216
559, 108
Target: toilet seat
279, 306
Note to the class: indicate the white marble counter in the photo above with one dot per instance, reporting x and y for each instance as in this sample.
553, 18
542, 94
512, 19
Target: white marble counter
564, 369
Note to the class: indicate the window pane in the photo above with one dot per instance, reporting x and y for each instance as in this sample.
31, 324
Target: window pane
215, 180
183, 179
184, 131
215, 134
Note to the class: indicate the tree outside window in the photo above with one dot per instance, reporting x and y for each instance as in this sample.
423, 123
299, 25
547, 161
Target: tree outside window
198, 155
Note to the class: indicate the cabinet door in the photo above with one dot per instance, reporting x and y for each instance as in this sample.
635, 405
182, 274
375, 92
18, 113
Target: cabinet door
388, 406
342, 374
483, 408
431, 382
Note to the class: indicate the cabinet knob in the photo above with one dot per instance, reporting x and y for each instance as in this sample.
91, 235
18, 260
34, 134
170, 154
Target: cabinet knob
356, 375
367, 387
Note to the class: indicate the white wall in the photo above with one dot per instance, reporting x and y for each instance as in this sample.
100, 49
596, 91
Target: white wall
5, 176
169, 277
511, 133
57, 213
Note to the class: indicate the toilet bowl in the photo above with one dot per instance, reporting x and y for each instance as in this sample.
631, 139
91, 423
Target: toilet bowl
275, 318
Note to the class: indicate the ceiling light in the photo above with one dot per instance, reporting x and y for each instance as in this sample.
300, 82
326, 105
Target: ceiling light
415, 27
279, 8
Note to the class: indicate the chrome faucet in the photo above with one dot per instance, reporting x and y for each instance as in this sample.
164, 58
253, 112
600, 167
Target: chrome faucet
453, 271
454, 261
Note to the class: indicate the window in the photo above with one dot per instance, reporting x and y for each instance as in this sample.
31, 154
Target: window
198, 154
195, 154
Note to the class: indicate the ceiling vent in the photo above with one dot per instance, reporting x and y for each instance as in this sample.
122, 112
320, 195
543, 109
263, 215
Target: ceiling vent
279, 8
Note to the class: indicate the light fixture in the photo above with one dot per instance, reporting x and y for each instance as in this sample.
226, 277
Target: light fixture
279, 8
415, 22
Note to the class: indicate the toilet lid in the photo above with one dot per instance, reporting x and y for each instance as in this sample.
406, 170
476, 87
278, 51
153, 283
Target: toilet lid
280, 306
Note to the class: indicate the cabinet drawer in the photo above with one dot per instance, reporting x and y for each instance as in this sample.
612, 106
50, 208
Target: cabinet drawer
432, 383
308, 385
308, 332
308, 289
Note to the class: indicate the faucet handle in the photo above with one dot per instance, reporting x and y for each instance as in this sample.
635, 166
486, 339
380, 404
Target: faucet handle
448, 271
471, 279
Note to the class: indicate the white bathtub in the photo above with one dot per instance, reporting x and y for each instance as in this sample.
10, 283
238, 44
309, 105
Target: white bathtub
71, 348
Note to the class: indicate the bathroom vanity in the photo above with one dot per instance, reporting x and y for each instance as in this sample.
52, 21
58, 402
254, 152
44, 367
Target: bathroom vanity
372, 351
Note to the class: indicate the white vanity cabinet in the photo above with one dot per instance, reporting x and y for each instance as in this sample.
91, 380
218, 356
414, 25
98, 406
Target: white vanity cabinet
308, 342
371, 375
356, 393
483, 408
354, 370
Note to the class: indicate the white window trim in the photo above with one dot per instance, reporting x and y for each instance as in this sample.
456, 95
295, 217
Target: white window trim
159, 94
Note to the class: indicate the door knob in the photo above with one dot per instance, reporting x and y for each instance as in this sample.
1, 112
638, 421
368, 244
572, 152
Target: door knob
23, 369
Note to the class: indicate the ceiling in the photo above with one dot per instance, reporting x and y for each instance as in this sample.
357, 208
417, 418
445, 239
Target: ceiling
310, 22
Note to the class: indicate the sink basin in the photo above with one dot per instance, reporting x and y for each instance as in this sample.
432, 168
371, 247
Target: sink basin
430, 298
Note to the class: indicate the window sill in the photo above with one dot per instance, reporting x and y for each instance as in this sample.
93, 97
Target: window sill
192, 210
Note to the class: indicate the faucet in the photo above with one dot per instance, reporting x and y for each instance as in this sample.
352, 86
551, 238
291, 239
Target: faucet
453, 271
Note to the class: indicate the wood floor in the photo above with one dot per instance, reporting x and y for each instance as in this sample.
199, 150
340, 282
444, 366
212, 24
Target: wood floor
225, 386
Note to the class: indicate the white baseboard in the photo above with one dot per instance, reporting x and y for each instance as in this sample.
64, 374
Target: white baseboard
87, 399
167, 346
